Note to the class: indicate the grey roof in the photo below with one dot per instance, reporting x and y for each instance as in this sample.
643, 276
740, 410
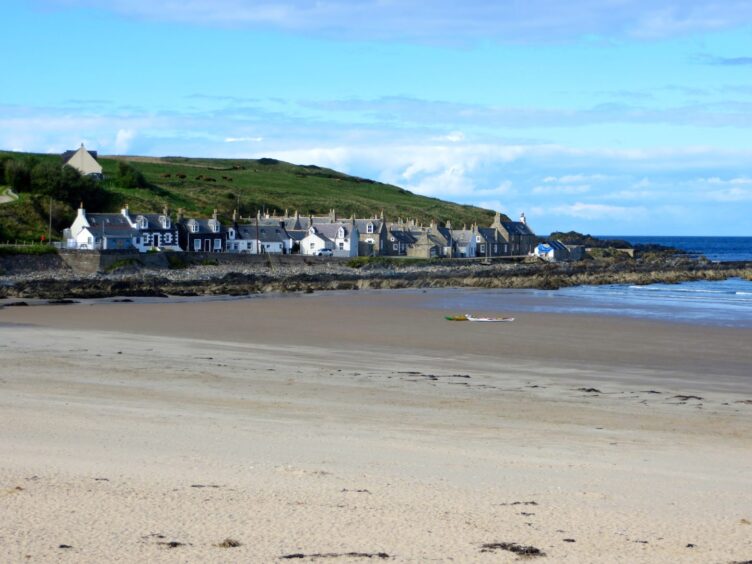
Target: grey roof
362, 225
297, 235
488, 233
516, 228
153, 221
111, 224
402, 236
329, 230
266, 233
204, 226
463, 236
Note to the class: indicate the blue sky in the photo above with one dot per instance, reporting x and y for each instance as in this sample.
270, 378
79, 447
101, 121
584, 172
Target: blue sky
608, 116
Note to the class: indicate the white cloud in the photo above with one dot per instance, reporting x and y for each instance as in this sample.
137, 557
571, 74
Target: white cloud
443, 20
453, 137
563, 189
739, 181
598, 211
243, 139
574, 178
123, 141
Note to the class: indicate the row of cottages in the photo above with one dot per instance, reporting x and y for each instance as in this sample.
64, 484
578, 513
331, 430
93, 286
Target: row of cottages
307, 235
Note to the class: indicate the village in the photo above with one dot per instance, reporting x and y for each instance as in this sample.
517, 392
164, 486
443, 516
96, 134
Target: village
295, 233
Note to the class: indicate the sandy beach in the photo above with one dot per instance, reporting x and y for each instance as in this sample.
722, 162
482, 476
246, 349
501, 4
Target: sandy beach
353, 427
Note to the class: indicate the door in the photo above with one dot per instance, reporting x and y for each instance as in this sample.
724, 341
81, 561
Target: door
156, 240
207, 245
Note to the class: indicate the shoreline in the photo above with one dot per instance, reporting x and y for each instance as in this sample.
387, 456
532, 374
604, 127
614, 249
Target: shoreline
237, 279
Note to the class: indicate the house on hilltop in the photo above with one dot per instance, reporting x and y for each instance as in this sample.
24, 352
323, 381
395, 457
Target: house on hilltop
83, 161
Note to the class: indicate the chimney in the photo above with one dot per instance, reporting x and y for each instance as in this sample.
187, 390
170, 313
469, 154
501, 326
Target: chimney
165, 211
497, 219
179, 216
214, 215
523, 219
448, 224
81, 211
234, 216
126, 212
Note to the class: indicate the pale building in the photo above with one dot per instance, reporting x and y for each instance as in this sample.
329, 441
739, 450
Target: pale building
83, 161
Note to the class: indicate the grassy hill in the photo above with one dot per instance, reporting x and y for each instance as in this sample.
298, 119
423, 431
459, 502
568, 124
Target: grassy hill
201, 185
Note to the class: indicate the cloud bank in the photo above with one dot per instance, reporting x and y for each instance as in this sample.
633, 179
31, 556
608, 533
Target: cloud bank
442, 20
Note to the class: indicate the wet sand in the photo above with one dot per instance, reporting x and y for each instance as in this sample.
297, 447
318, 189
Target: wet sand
350, 425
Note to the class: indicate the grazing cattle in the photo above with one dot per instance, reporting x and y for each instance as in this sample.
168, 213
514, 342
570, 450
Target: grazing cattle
181, 176
166, 175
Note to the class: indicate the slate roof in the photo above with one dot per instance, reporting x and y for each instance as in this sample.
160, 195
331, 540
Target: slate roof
463, 236
329, 230
111, 224
362, 225
266, 233
153, 221
516, 228
488, 233
204, 226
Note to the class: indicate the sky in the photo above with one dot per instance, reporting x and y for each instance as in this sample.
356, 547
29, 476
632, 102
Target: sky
605, 116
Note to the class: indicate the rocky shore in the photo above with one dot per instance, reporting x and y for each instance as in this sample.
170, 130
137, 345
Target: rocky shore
60, 282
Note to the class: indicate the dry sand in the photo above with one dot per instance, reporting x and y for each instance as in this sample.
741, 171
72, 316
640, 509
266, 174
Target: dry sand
367, 424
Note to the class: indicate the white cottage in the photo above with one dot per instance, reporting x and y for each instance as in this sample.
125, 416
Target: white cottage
341, 238
108, 231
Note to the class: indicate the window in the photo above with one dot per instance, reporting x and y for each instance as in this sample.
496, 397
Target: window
369, 228
168, 238
482, 248
396, 246
341, 246
313, 245
217, 244
477, 239
506, 248
194, 227
197, 244
341, 233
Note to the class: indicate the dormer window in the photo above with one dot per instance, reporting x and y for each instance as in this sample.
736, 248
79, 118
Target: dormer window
231, 233
194, 226
165, 221
341, 232
215, 226
143, 223
369, 228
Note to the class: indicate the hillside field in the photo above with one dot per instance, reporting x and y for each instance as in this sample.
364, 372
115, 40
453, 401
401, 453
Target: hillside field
201, 185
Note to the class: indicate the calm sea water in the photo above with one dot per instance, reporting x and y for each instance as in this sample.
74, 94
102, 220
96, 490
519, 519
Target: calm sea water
714, 248
723, 303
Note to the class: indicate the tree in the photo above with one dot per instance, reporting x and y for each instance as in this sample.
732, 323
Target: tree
46, 179
18, 174
129, 177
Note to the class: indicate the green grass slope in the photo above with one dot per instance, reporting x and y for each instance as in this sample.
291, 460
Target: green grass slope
202, 185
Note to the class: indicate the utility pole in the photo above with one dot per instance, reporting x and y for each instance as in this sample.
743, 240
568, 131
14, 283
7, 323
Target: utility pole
49, 225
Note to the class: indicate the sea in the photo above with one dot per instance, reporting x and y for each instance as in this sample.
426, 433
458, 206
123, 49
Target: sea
725, 303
